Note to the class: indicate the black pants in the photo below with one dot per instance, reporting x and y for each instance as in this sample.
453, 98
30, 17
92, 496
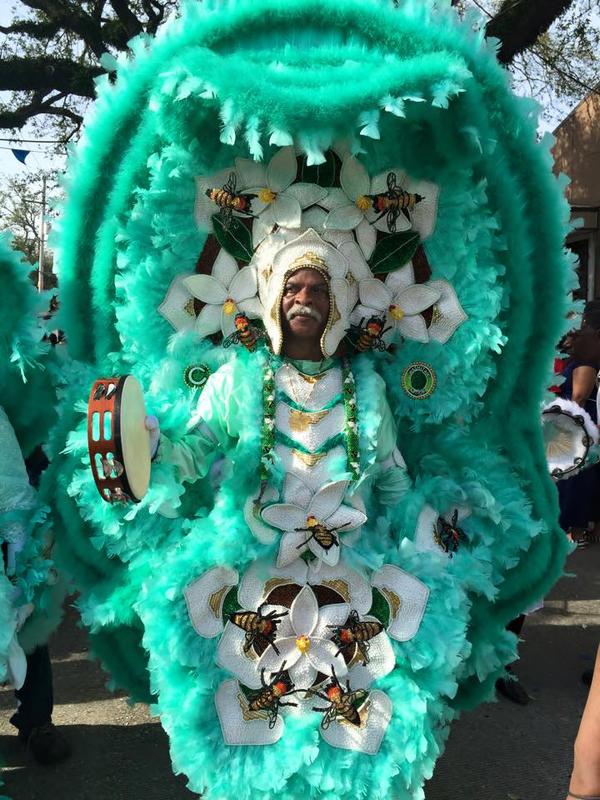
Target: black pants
35, 696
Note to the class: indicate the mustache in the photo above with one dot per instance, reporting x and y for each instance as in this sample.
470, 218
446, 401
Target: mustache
303, 311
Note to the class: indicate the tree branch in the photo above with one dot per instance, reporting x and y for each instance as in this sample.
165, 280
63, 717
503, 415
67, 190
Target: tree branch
17, 117
47, 73
71, 17
38, 30
129, 21
519, 23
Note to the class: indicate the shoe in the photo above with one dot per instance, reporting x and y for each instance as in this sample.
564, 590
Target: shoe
513, 690
47, 744
586, 677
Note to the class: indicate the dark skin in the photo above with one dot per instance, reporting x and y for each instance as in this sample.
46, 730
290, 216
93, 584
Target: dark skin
302, 334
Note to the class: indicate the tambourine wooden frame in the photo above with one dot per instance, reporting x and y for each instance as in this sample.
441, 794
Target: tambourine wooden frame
115, 488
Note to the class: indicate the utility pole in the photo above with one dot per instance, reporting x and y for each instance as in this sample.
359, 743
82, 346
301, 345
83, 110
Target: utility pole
42, 226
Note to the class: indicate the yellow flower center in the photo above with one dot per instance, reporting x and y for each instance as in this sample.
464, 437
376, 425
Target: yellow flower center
303, 644
229, 306
266, 196
363, 203
396, 312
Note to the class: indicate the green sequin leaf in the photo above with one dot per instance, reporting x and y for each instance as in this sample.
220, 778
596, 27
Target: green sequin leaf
394, 251
380, 608
231, 604
234, 237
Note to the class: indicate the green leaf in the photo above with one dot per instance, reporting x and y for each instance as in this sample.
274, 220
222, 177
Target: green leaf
394, 251
234, 237
322, 174
380, 608
231, 604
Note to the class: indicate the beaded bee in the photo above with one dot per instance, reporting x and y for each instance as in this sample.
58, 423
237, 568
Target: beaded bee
369, 336
228, 200
343, 704
324, 536
245, 334
259, 629
269, 697
356, 634
394, 202
448, 535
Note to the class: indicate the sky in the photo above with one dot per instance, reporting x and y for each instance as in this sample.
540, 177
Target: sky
36, 160
8, 163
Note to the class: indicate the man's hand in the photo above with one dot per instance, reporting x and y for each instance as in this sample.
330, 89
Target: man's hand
153, 428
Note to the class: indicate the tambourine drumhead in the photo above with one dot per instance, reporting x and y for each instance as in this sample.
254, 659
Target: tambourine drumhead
566, 442
118, 441
135, 439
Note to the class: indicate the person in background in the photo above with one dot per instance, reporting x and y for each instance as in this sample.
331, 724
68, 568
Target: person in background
32, 674
585, 778
579, 496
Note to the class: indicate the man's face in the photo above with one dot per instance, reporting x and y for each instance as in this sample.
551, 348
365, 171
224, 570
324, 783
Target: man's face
305, 304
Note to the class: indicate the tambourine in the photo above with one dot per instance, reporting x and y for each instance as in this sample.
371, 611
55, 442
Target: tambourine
118, 442
569, 433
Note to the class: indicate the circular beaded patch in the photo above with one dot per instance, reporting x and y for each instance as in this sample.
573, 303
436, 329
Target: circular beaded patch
419, 380
196, 375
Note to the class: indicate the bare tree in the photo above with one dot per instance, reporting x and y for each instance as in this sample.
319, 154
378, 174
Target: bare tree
20, 211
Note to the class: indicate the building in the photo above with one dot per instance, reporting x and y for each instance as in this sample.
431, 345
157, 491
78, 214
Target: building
577, 154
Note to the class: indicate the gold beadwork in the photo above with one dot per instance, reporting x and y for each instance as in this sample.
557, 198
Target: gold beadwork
340, 587
436, 314
301, 420
309, 260
310, 459
190, 308
215, 601
393, 599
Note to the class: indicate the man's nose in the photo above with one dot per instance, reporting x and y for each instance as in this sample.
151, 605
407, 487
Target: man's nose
304, 298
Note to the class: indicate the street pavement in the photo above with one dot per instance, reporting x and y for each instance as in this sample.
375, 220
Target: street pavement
501, 751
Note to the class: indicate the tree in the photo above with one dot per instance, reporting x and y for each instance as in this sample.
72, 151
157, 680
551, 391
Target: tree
52, 51
550, 47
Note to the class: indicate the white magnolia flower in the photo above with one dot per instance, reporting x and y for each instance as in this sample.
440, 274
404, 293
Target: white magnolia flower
178, 306
313, 522
304, 643
278, 201
400, 300
352, 205
225, 292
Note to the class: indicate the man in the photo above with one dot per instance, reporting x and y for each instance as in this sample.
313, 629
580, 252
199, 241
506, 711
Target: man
31, 675
315, 420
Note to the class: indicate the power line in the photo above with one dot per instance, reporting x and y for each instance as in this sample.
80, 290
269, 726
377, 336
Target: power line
44, 152
33, 141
